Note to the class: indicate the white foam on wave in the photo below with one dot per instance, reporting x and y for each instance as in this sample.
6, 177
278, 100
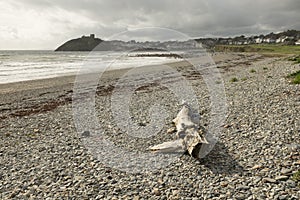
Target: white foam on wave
18, 66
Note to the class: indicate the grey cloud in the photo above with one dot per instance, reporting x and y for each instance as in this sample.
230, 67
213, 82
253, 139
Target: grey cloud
194, 17
182, 14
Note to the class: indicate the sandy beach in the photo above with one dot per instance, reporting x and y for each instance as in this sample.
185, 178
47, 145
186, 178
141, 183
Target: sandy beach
43, 157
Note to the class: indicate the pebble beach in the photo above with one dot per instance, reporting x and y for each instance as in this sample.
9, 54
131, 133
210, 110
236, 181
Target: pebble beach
43, 157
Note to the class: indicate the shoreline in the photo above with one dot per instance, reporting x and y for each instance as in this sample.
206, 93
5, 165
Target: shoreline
69, 79
51, 82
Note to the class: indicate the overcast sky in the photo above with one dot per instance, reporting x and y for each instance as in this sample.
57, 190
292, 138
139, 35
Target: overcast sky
45, 24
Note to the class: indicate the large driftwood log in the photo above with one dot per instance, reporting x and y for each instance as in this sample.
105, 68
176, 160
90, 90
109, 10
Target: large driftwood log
189, 136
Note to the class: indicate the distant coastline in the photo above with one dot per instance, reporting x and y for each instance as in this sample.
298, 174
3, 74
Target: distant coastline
89, 43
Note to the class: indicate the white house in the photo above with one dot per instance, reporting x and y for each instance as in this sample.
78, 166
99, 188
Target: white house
258, 40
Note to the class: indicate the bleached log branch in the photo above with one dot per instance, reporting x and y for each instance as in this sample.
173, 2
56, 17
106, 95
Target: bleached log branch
188, 135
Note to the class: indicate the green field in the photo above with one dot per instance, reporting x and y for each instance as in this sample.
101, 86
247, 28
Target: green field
260, 48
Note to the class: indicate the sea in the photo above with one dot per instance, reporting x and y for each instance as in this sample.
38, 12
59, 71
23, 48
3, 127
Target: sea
16, 66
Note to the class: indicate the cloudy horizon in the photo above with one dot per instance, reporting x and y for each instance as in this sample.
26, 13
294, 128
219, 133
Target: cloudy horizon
37, 24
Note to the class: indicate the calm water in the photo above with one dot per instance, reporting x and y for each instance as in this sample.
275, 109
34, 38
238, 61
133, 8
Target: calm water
18, 66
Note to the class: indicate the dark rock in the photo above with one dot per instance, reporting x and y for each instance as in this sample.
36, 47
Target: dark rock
86, 134
142, 124
291, 183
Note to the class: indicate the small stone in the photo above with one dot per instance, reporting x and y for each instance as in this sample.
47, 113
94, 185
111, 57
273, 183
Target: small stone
291, 183
36, 130
265, 170
268, 180
287, 163
86, 134
156, 191
35, 187
224, 183
281, 178
286, 171
282, 197
227, 125
62, 188
136, 198
257, 180
240, 197
297, 162
78, 178
171, 130
242, 187
160, 181
175, 192
143, 123
256, 167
